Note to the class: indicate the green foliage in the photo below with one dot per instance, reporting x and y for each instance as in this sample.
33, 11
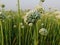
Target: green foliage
15, 32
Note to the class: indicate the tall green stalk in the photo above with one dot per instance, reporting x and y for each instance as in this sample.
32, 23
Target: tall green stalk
18, 7
19, 20
2, 33
35, 35
6, 34
19, 35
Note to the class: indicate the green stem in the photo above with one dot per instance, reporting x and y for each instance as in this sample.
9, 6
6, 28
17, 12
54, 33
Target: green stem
35, 35
19, 35
6, 30
2, 33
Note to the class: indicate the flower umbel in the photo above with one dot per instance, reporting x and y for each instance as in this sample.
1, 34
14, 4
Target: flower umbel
32, 17
15, 26
43, 31
21, 24
2, 16
30, 24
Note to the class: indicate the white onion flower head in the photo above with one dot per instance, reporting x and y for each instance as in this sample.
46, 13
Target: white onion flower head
43, 31
22, 26
3, 20
31, 16
39, 8
30, 12
57, 16
25, 18
21, 23
57, 12
2, 16
14, 26
9, 16
30, 24
42, 24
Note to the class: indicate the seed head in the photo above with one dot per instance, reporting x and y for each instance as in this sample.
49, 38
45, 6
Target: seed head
9, 16
22, 27
42, 24
32, 16
21, 24
14, 26
3, 20
30, 24
57, 16
43, 31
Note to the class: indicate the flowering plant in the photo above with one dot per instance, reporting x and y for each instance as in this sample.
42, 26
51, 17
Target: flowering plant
32, 17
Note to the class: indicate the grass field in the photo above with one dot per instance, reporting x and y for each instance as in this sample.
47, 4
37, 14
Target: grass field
43, 30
